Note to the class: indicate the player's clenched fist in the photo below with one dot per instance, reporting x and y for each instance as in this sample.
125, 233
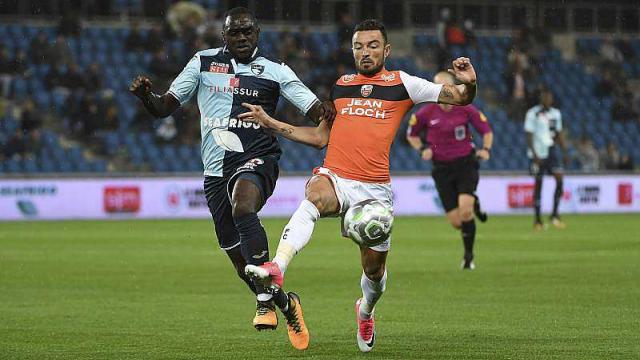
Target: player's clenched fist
140, 86
463, 70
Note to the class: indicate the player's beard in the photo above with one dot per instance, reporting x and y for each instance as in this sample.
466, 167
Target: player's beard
370, 71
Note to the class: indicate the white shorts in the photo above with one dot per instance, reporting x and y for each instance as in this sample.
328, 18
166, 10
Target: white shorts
350, 192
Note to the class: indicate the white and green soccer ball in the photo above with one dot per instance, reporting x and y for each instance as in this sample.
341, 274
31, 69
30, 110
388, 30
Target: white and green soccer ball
368, 222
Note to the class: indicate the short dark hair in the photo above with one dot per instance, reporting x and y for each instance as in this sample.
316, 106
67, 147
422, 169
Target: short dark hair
240, 11
372, 24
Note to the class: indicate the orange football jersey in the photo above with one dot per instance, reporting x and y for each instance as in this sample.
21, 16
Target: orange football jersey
369, 112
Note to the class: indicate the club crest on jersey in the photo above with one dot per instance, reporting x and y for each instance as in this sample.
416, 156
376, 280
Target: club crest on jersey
366, 90
220, 68
348, 78
388, 77
257, 69
234, 82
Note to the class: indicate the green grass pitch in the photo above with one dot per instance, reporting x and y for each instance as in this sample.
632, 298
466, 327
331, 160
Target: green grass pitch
162, 290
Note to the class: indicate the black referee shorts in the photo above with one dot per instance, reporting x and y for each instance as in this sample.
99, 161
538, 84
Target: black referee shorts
456, 177
262, 171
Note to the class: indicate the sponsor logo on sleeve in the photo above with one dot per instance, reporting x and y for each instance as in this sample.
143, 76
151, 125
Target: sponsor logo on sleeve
121, 199
234, 82
388, 77
220, 68
348, 78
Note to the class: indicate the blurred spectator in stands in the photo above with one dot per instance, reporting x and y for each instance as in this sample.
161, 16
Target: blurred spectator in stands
455, 35
469, 34
135, 40
93, 77
163, 68
91, 121
610, 53
166, 130
441, 35
155, 39
209, 31
188, 130
6, 72
142, 120
622, 108
54, 77
610, 158
39, 48
30, 119
69, 24
306, 44
345, 29
18, 65
287, 47
626, 49
605, 86
15, 146
74, 79
59, 53
587, 156
184, 18
626, 162
111, 121
517, 91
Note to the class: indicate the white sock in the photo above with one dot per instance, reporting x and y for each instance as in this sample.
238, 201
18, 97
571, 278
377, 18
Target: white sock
296, 234
371, 293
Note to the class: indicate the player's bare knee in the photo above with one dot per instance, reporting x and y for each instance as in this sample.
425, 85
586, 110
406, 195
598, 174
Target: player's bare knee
466, 214
241, 207
315, 197
456, 224
374, 272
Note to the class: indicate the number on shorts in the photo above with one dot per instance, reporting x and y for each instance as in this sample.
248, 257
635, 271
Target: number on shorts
461, 132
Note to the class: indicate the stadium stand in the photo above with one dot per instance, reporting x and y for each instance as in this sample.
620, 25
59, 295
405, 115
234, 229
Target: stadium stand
75, 133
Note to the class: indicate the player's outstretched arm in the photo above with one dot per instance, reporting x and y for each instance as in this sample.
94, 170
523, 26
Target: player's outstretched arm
317, 137
464, 93
158, 105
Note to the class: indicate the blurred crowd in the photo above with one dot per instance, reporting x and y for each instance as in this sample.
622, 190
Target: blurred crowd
90, 109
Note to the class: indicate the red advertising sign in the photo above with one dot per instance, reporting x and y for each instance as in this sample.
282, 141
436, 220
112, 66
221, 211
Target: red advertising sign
121, 199
625, 193
520, 195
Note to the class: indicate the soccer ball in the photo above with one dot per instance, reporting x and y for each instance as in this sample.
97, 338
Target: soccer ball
368, 223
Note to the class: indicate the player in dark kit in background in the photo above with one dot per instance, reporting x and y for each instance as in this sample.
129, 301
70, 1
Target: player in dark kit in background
240, 159
455, 161
543, 126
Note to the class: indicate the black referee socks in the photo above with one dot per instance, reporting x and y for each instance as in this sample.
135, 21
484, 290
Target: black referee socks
468, 231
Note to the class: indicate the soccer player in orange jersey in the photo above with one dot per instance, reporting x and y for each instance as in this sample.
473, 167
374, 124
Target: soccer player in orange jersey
370, 106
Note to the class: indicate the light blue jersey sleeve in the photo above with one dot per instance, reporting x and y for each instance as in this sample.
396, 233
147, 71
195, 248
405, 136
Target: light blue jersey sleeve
559, 124
186, 84
295, 91
530, 121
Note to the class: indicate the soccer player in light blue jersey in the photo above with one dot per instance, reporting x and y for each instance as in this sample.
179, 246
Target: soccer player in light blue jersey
240, 158
543, 125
